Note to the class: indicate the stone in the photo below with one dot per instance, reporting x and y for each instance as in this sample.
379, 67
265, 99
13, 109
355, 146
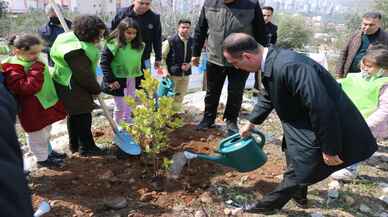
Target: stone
384, 198
333, 191
384, 187
383, 166
178, 208
146, 197
229, 175
384, 214
205, 198
107, 175
237, 212
132, 180
316, 215
116, 203
200, 213
364, 208
349, 200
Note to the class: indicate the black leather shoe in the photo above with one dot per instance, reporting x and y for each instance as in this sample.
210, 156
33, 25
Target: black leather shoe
260, 208
51, 163
205, 124
57, 155
91, 151
301, 203
231, 127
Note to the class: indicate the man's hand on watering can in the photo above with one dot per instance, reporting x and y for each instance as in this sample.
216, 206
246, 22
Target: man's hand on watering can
332, 160
114, 86
195, 61
157, 65
246, 130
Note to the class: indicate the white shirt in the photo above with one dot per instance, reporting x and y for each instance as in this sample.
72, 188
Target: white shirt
265, 53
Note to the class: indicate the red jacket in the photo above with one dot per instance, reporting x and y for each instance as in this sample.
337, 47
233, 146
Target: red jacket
24, 86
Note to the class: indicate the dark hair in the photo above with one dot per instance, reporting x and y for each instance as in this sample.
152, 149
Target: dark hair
377, 54
237, 43
24, 42
184, 21
269, 8
88, 28
119, 33
372, 15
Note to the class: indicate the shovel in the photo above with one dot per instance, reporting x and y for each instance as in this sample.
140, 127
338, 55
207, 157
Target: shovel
122, 139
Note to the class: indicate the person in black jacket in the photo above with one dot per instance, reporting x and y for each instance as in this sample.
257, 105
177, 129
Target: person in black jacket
177, 58
217, 20
271, 36
271, 29
15, 198
323, 130
151, 30
51, 30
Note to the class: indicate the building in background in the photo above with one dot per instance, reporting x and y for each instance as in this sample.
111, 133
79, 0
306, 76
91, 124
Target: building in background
106, 7
22, 6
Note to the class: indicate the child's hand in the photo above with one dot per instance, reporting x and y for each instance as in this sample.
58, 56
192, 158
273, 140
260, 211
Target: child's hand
114, 86
185, 67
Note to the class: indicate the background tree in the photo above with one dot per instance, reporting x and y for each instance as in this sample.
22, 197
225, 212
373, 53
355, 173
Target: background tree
382, 7
293, 31
4, 21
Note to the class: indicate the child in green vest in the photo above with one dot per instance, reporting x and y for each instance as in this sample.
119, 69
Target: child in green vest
75, 56
121, 64
369, 92
28, 78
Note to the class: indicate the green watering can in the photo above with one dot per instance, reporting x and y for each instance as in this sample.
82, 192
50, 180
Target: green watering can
241, 154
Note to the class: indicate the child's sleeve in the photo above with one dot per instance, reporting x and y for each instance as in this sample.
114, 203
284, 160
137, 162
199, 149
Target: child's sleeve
378, 121
21, 83
80, 65
105, 63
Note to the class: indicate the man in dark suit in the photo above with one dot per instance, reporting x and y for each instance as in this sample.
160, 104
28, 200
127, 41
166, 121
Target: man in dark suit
271, 35
270, 29
323, 130
15, 199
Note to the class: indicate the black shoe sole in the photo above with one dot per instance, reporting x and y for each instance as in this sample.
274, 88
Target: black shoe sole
205, 128
262, 211
301, 204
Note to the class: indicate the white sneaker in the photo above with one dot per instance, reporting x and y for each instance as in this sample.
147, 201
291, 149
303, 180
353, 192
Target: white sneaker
344, 175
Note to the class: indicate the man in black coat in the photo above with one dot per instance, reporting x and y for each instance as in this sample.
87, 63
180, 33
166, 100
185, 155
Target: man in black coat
151, 29
271, 36
323, 130
15, 199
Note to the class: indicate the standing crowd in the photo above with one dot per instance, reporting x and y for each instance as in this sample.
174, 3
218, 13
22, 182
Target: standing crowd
330, 125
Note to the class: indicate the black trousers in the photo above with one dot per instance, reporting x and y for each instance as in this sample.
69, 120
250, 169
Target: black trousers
216, 76
286, 190
80, 132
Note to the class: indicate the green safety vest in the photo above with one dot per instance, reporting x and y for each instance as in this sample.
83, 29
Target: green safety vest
64, 44
47, 95
364, 93
127, 61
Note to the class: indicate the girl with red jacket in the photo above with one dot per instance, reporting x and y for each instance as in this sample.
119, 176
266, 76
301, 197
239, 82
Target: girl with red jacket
29, 80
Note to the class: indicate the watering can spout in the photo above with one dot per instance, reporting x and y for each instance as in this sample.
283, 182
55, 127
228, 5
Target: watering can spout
220, 159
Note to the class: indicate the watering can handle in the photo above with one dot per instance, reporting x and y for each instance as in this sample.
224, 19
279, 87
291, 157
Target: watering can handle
260, 134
